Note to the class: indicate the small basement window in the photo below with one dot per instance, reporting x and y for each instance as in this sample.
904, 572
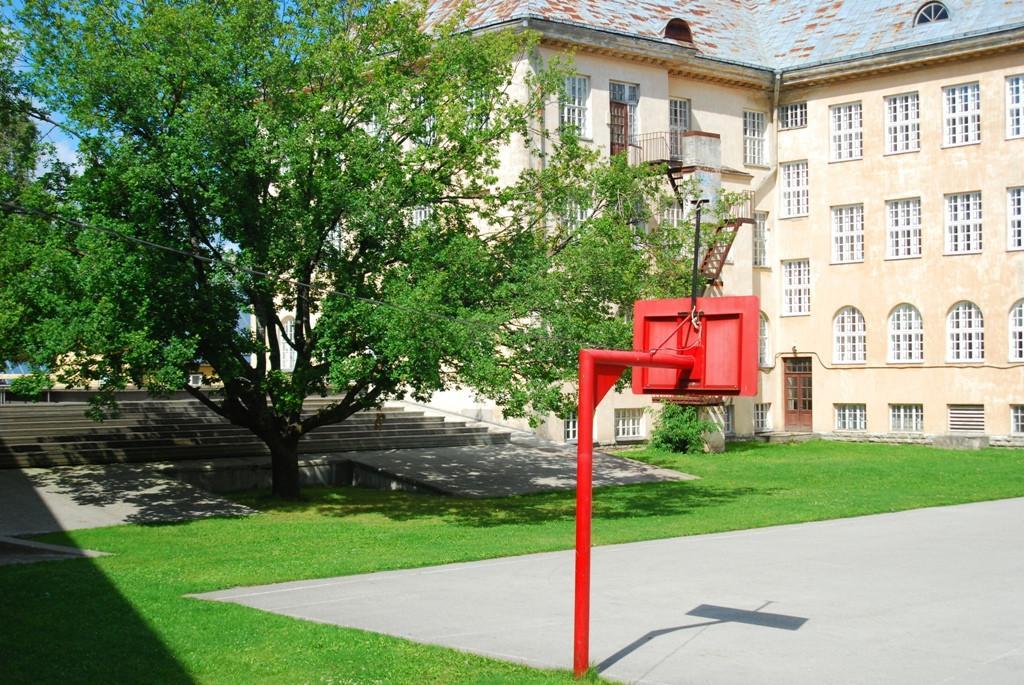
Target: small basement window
677, 29
930, 12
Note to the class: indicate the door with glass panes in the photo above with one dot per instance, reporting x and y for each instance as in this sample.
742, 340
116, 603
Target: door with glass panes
797, 379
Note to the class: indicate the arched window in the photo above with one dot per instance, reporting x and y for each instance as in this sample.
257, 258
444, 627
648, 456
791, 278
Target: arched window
1017, 332
849, 337
677, 29
764, 351
287, 351
929, 12
906, 334
965, 333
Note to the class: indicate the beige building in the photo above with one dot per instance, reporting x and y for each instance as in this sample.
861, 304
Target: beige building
883, 146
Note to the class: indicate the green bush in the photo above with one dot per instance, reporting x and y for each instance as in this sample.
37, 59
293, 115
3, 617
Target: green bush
680, 429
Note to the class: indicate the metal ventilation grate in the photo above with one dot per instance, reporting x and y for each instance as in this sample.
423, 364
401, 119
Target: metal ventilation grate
967, 418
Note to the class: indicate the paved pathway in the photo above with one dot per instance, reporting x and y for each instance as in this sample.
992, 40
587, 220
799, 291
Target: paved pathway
926, 596
65, 498
527, 464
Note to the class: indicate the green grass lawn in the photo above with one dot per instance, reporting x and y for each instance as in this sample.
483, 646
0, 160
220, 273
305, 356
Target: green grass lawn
124, 618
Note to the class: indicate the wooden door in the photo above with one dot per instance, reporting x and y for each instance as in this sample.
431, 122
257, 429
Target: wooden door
798, 394
619, 124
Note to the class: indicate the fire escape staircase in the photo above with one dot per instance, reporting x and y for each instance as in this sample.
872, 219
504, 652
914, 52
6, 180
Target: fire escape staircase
723, 234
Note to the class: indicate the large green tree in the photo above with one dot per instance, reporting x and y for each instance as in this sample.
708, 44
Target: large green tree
335, 161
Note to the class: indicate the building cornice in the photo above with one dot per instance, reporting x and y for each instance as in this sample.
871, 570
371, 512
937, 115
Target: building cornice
957, 50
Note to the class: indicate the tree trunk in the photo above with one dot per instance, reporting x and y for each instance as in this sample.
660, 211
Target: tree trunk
284, 467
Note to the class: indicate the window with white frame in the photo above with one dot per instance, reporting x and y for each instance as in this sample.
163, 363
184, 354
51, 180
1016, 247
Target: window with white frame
287, 352
963, 223
729, 420
760, 255
628, 93
902, 123
1015, 107
754, 126
847, 132
906, 335
796, 286
963, 114
575, 105
629, 423
849, 337
1017, 332
906, 418
1017, 419
764, 350
966, 418
930, 12
678, 124
851, 417
1015, 218
762, 417
570, 427
795, 190
848, 234
793, 116
903, 228
418, 215
965, 336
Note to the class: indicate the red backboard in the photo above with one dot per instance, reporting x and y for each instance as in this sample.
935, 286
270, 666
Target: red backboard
724, 346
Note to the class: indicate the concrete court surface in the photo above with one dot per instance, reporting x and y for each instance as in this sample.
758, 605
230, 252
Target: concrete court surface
925, 596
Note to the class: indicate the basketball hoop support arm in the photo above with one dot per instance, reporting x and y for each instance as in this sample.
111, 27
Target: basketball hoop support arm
599, 370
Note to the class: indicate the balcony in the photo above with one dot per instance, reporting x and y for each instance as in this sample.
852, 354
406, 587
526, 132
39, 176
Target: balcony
684, 150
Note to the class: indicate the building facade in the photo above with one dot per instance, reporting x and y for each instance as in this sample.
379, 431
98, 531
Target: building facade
883, 147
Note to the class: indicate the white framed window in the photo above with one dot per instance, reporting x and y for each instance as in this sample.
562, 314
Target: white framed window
628, 93
847, 132
849, 337
902, 123
795, 189
966, 418
678, 124
963, 114
1017, 419
796, 286
754, 126
963, 223
575, 109
1015, 106
629, 423
906, 335
764, 350
903, 228
932, 11
417, 215
762, 417
287, 352
1017, 332
906, 418
793, 116
760, 254
851, 417
965, 333
1015, 218
570, 427
729, 420
848, 234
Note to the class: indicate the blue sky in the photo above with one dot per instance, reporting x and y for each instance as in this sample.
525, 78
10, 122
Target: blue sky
64, 145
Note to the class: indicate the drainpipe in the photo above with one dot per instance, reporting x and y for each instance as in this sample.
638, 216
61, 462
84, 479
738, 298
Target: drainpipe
775, 114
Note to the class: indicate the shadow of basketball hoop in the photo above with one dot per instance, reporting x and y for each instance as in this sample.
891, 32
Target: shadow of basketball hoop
718, 615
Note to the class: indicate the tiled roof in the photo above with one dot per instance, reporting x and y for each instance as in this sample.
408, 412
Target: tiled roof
773, 34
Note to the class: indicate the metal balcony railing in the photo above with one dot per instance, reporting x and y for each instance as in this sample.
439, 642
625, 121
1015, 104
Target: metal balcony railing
677, 148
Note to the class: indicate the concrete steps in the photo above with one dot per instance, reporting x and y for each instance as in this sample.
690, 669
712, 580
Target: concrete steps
58, 435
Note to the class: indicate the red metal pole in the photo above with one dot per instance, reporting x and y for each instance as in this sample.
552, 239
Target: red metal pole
599, 369
584, 493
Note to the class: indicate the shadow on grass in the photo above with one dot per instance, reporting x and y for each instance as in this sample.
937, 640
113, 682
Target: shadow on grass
621, 502
66, 621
